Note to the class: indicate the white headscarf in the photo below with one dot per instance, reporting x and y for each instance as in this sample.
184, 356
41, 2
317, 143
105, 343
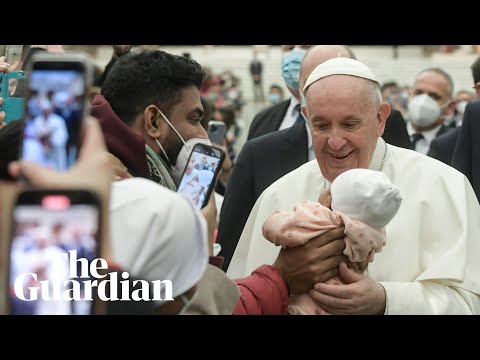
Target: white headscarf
157, 234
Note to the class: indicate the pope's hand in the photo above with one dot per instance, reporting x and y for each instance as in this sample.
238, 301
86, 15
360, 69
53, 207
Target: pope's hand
361, 295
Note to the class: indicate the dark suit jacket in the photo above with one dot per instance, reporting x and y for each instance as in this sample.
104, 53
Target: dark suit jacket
261, 162
268, 120
396, 131
466, 157
442, 147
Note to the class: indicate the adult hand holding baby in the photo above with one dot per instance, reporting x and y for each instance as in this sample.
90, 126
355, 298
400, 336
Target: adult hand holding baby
316, 261
361, 295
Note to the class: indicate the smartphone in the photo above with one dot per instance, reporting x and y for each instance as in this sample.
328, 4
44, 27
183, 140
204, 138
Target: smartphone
13, 53
47, 227
55, 107
199, 177
217, 131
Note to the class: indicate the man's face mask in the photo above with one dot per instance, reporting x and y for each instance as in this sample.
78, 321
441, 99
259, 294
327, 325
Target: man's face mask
274, 98
176, 170
423, 110
291, 62
461, 105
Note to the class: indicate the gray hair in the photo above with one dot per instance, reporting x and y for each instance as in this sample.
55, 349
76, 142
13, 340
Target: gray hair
374, 93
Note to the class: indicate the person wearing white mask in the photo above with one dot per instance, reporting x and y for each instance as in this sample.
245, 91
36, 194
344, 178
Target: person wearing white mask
430, 103
150, 113
462, 97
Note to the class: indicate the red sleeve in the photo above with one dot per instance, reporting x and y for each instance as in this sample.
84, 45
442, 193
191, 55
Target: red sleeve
262, 293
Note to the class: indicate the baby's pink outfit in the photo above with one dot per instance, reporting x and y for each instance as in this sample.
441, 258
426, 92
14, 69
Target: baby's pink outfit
309, 220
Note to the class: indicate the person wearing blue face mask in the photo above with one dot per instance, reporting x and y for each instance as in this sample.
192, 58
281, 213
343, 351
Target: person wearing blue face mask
265, 159
284, 114
276, 94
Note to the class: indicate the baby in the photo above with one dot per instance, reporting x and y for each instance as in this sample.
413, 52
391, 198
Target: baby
364, 201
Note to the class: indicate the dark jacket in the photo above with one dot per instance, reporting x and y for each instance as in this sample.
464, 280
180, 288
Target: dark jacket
268, 120
443, 146
466, 157
396, 131
261, 162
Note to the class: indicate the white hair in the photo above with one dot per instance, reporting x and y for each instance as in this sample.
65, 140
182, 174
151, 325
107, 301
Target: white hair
374, 93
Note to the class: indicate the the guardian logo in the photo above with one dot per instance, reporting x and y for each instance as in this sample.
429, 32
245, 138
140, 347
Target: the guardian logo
79, 290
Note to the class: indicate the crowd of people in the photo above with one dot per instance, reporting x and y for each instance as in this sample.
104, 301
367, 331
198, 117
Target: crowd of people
371, 190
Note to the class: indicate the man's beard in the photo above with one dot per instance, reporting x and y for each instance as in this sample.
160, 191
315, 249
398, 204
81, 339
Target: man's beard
173, 147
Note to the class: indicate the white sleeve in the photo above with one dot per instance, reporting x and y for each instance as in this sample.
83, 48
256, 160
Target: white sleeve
428, 298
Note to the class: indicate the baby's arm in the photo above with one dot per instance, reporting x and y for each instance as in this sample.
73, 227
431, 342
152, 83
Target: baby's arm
307, 220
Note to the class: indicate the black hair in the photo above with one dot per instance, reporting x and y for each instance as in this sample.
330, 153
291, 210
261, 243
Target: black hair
476, 71
388, 85
142, 78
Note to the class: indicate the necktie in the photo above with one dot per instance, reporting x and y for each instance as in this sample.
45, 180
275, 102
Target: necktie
415, 138
299, 117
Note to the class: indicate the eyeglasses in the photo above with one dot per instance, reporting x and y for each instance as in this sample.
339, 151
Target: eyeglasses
476, 85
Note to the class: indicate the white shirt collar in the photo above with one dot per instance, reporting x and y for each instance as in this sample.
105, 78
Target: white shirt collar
429, 135
291, 108
291, 115
423, 145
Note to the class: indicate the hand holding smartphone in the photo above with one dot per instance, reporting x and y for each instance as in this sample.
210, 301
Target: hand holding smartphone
200, 175
55, 108
47, 225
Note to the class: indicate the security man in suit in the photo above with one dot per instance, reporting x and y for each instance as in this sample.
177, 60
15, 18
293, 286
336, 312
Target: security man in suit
267, 158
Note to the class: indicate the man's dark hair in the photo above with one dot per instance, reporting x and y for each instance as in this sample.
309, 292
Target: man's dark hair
276, 87
142, 78
476, 71
388, 85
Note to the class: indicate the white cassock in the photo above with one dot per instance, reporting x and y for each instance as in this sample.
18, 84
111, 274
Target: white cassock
431, 263
57, 156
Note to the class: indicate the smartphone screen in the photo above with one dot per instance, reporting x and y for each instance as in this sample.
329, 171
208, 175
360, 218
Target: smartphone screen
54, 111
199, 176
46, 228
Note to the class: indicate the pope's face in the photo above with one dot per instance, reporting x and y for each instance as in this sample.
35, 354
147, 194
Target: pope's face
346, 123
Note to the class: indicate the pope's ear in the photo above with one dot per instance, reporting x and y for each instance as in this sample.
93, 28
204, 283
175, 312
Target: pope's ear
382, 116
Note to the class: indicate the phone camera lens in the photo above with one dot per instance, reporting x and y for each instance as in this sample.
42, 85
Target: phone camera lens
214, 127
